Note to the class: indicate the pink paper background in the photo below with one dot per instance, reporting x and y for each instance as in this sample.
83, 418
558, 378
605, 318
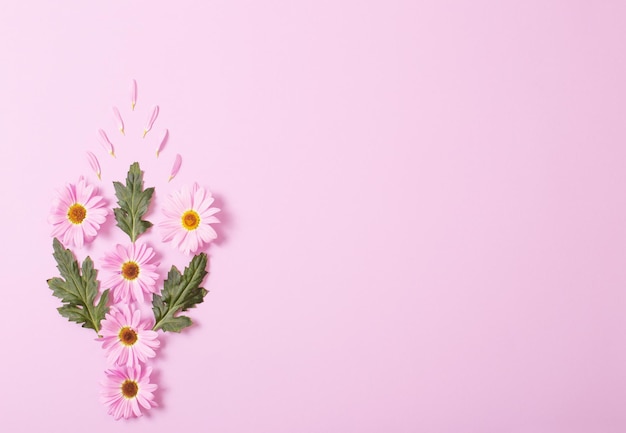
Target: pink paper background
424, 205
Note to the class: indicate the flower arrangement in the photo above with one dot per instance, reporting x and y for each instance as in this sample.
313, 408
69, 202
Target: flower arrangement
113, 301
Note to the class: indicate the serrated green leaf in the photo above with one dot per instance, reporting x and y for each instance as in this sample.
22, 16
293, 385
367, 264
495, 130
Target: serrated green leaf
180, 293
176, 324
77, 289
77, 314
133, 202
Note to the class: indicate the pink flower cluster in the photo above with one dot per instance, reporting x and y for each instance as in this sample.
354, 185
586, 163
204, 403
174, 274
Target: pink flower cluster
129, 342
78, 212
131, 272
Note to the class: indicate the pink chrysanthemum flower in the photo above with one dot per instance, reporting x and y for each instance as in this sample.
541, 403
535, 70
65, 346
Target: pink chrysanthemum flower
131, 272
77, 214
189, 217
125, 389
126, 338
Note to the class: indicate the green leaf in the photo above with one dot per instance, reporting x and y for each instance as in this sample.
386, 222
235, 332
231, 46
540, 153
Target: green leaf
180, 293
77, 289
133, 202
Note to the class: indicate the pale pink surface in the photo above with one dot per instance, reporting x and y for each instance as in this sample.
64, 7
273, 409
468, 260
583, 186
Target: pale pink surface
120, 406
117, 353
128, 290
423, 210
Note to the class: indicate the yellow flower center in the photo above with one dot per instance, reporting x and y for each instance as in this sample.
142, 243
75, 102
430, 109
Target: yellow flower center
130, 270
76, 213
190, 220
130, 388
127, 336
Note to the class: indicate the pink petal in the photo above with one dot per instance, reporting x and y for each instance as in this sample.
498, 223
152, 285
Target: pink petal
105, 142
179, 203
57, 218
79, 238
137, 293
167, 236
118, 118
162, 142
93, 162
198, 198
193, 242
143, 401
121, 252
176, 167
153, 116
211, 219
135, 407
133, 94
136, 318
